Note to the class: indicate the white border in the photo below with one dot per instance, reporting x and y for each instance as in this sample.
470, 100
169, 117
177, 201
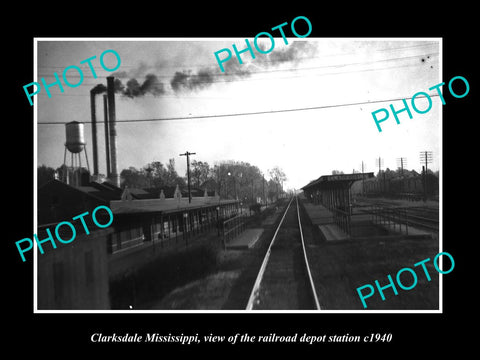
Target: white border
106, 311
35, 187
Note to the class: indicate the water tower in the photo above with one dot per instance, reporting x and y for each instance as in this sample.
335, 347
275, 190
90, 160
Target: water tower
75, 174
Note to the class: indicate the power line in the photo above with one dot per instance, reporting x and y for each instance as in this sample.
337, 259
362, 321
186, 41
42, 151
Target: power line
282, 70
244, 113
211, 82
322, 56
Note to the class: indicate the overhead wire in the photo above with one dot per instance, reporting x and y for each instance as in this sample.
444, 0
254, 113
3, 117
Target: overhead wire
249, 78
284, 70
245, 113
273, 61
285, 77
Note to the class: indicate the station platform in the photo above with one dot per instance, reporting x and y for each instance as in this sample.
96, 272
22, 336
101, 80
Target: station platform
362, 227
319, 214
332, 232
323, 218
245, 240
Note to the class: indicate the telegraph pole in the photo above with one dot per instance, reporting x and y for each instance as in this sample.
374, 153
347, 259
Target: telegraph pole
426, 157
401, 163
380, 163
187, 154
363, 180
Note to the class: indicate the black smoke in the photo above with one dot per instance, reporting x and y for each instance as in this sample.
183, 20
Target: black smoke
293, 54
188, 80
99, 89
152, 85
132, 89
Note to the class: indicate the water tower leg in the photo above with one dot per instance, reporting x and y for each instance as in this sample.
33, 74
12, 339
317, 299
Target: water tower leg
86, 158
64, 174
71, 164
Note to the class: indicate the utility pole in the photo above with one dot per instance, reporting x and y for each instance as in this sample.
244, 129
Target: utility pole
363, 180
379, 164
187, 154
401, 163
426, 157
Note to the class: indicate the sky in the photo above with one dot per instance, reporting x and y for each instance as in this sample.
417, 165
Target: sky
305, 107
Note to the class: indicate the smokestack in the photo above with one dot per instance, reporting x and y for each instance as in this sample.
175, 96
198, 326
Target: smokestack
107, 135
113, 132
94, 134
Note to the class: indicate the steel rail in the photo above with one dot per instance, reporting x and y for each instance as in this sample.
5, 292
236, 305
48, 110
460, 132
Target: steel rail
258, 280
312, 285
256, 287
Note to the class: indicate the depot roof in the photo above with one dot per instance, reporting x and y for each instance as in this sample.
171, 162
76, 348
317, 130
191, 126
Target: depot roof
336, 181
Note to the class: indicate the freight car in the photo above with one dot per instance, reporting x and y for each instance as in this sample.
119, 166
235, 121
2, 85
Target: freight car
411, 188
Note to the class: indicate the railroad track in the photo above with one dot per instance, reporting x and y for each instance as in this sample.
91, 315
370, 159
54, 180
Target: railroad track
418, 221
284, 281
418, 216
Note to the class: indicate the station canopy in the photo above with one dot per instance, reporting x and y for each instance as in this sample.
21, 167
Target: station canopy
337, 181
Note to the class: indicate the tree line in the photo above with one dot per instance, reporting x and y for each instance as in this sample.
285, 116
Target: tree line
394, 174
229, 179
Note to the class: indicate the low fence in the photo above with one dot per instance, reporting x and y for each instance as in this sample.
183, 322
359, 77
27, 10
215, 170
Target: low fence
232, 227
342, 219
394, 218
391, 217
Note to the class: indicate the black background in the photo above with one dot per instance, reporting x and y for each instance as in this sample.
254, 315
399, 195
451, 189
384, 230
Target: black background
61, 335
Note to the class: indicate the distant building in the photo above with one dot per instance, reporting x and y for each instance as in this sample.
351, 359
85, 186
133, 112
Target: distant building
76, 275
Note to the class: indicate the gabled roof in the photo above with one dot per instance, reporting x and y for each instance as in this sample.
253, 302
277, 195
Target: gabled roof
107, 192
89, 190
169, 191
338, 180
102, 191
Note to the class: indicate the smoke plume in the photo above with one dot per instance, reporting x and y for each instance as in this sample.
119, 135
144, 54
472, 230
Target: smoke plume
293, 53
99, 89
188, 80
133, 88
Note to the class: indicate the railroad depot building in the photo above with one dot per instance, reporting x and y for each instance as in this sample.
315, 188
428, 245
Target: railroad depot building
334, 195
76, 275
334, 191
339, 205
